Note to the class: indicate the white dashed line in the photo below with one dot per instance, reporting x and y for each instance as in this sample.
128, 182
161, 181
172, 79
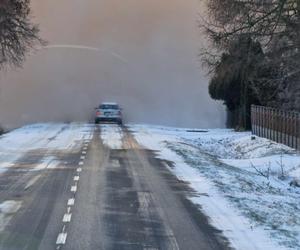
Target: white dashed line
71, 202
84, 148
61, 239
74, 189
67, 217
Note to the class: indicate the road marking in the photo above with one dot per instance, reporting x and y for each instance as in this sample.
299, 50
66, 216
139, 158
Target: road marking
68, 210
61, 239
82, 157
79, 169
84, 152
76, 178
80, 163
71, 202
74, 189
67, 217
84, 148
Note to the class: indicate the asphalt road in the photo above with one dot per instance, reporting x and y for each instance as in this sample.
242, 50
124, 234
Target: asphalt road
102, 198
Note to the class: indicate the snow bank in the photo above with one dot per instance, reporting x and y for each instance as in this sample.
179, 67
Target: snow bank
251, 153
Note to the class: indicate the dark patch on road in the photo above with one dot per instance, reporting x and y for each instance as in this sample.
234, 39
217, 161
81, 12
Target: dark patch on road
15, 178
130, 224
179, 186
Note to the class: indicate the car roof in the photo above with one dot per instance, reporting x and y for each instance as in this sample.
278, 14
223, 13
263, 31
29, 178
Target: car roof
109, 103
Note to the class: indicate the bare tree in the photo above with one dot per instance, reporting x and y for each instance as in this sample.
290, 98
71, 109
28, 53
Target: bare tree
17, 34
275, 24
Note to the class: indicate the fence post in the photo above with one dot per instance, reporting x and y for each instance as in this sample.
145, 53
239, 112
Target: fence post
252, 120
263, 121
272, 125
294, 133
278, 124
298, 131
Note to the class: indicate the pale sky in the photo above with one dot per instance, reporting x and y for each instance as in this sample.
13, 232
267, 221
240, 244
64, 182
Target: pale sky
147, 61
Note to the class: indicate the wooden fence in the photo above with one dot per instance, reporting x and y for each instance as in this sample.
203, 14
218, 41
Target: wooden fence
275, 124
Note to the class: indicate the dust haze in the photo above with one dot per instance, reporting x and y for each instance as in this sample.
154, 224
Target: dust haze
140, 53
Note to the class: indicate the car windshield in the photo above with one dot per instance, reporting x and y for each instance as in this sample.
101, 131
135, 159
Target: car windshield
109, 106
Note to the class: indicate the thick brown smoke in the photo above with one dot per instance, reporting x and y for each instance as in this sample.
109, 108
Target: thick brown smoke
140, 53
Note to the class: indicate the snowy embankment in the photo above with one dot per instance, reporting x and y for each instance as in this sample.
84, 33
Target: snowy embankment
46, 137
246, 187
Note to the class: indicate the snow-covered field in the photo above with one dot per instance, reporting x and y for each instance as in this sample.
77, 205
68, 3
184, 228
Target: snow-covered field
247, 186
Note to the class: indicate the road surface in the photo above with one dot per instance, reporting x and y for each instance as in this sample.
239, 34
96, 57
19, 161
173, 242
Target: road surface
106, 193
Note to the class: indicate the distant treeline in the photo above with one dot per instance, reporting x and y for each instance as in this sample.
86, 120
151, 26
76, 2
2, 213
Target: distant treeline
253, 55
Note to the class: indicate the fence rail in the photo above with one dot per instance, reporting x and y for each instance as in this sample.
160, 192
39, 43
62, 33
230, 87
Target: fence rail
275, 124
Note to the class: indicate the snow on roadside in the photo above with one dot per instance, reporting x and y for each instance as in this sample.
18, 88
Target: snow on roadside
277, 165
226, 143
250, 153
112, 136
239, 201
5, 163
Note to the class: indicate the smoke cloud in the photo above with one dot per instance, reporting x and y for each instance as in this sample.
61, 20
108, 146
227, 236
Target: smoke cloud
140, 53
